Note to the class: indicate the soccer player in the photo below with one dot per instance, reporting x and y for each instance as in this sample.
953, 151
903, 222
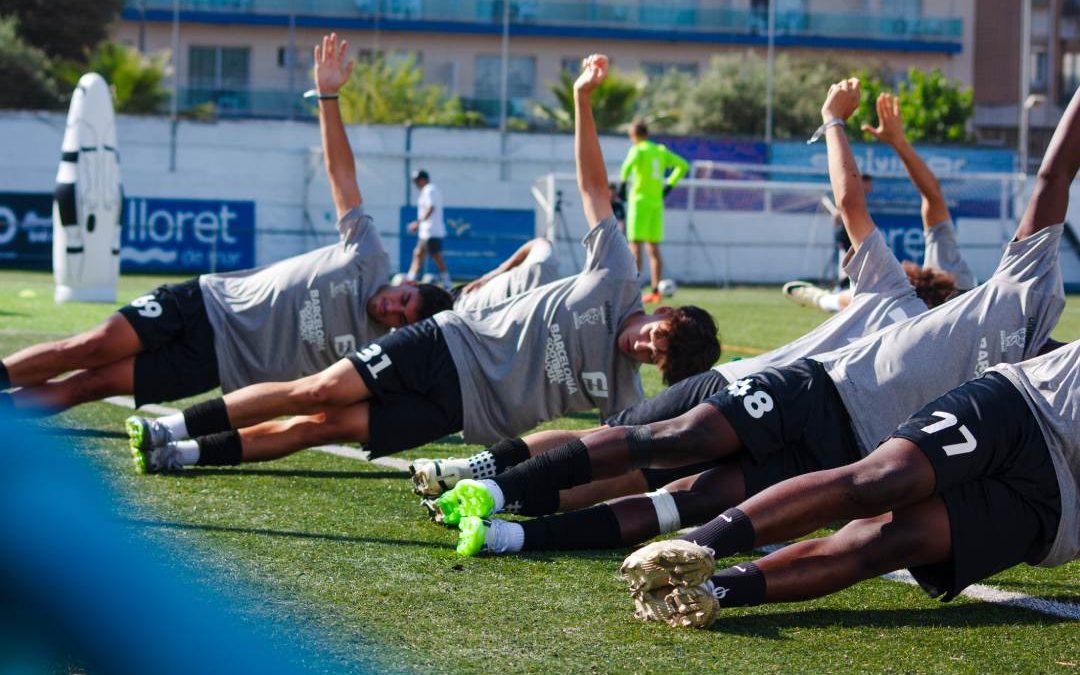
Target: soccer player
531, 266
816, 413
944, 271
230, 329
430, 228
979, 480
647, 165
884, 294
571, 345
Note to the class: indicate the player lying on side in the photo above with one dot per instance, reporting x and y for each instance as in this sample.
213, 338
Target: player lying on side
983, 478
571, 345
881, 295
531, 266
230, 329
943, 271
817, 413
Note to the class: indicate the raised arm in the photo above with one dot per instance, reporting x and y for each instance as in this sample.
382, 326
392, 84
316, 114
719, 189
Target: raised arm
510, 263
332, 69
841, 102
1050, 198
890, 130
591, 172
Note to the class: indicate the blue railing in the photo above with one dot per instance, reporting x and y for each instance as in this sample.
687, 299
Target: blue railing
688, 16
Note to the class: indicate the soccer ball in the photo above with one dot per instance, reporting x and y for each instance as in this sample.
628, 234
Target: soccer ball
667, 287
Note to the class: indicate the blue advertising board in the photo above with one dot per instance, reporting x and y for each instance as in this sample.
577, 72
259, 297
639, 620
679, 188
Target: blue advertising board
157, 235
693, 148
968, 198
477, 240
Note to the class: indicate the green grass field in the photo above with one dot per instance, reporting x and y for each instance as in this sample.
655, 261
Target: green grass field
340, 547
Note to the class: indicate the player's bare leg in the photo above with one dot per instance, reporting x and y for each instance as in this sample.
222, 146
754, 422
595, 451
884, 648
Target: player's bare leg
863, 549
635, 250
337, 386
656, 263
279, 438
110, 341
84, 386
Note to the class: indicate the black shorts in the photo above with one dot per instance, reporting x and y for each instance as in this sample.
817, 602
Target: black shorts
178, 358
415, 388
791, 420
432, 245
673, 401
995, 476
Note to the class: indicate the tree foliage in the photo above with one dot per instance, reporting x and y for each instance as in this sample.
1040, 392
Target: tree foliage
934, 109
135, 79
384, 92
728, 97
64, 29
26, 79
613, 102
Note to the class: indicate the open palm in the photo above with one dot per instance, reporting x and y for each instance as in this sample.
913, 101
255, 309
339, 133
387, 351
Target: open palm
332, 68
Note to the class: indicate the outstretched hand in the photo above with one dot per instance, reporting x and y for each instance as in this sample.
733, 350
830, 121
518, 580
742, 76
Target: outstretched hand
890, 128
332, 68
842, 100
594, 70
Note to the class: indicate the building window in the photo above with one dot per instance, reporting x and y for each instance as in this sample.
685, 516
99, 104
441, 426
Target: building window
488, 78
656, 69
1070, 75
219, 67
571, 65
1038, 69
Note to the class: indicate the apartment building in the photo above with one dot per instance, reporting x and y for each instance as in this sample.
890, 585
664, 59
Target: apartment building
252, 57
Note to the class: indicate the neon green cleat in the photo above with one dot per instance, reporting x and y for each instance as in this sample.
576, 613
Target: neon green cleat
468, 498
473, 534
152, 447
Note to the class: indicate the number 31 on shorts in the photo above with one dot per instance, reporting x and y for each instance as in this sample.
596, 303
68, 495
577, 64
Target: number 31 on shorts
370, 352
757, 403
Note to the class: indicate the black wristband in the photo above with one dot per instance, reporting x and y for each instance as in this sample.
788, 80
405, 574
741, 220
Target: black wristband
316, 94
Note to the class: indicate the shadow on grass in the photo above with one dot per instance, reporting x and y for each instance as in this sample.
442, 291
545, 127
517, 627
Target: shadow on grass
265, 532
773, 625
202, 471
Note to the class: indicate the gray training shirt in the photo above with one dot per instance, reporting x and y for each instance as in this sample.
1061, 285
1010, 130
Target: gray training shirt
942, 253
539, 267
881, 296
1051, 385
297, 316
552, 350
885, 377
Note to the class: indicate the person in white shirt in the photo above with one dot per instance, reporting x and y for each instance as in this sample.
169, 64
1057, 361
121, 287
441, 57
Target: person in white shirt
431, 228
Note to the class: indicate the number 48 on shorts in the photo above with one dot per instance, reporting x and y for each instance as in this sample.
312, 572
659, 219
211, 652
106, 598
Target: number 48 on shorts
757, 403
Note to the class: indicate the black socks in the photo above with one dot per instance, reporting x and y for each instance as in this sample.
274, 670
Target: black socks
536, 482
594, 527
221, 449
741, 585
508, 453
207, 417
729, 533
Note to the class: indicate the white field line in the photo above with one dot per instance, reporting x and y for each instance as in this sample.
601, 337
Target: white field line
989, 594
339, 450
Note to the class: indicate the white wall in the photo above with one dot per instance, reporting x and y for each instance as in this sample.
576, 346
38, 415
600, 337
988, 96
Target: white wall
272, 163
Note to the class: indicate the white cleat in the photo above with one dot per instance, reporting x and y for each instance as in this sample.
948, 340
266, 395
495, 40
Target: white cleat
678, 606
432, 477
674, 562
804, 293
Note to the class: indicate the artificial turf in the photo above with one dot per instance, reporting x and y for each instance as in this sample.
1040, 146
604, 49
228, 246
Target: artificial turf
339, 548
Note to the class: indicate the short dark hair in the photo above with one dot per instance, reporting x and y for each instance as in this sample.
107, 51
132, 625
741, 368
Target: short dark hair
639, 128
692, 344
433, 299
421, 175
933, 286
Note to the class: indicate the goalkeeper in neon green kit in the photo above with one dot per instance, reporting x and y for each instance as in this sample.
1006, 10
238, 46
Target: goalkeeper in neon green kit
648, 164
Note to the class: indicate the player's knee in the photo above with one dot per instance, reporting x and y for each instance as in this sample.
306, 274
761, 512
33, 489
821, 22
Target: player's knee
688, 434
875, 486
347, 424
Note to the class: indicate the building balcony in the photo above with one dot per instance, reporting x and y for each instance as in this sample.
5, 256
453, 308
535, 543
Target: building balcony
686, 20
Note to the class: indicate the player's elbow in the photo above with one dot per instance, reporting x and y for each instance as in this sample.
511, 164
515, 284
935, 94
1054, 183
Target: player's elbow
851, 205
